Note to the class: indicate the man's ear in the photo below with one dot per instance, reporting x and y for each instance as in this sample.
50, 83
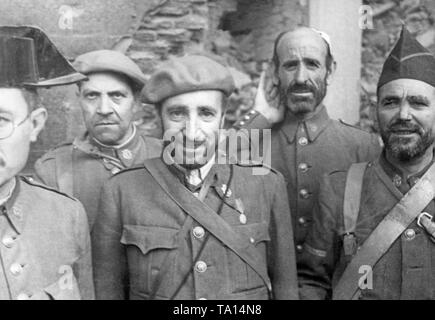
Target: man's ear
331, 72
37, 118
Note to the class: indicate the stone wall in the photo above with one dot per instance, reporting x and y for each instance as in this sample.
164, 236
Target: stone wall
238, 32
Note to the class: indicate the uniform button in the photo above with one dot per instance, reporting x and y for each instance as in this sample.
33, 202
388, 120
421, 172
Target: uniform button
299, 248
304, 193
198, 232
301, 220
16, 269
30, 179
252, 112
242, 123
200, 266
23, 296
303, 167
202, 299
115, 170
247, 117
397, 180
409, 234
126, 154
251, 240
8, 241
303, 141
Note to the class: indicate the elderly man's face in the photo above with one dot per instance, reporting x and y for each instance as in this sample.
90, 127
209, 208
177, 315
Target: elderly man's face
302, 70
194, 120
18, 128
406, 115
108, 105
417, 23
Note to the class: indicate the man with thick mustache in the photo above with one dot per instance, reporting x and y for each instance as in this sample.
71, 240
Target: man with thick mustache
108, 99
187, 225
373, 236
305, 142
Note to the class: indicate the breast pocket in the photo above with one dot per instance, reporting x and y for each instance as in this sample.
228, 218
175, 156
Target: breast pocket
147, 248
243, 276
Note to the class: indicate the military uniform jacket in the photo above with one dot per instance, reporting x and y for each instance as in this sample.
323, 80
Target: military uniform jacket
405, 271
45, 247
305, 150
139, 224
80, 168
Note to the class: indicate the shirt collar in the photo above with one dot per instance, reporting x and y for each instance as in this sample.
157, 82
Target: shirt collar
313, 126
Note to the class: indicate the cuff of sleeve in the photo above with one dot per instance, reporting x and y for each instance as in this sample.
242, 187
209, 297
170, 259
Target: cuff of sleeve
252, 120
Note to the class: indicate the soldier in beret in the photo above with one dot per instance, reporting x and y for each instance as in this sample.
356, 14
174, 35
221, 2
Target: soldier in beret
373, 235
45, 245
306, 143
186, 225
112, 142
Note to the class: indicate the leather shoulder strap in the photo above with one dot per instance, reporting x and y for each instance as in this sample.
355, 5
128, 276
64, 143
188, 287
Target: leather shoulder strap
208, 218
351, 205
386, 232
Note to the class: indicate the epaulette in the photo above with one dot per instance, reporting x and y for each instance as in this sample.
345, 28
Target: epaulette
256, 163
33, 182
352, 126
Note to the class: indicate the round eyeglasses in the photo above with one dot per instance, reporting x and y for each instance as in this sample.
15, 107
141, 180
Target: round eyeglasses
7, 126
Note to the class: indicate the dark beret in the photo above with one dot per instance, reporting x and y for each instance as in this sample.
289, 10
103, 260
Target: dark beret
186, 74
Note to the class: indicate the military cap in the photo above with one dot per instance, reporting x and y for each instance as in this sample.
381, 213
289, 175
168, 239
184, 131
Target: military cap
29, 59
187, 74
408, 60
110, 61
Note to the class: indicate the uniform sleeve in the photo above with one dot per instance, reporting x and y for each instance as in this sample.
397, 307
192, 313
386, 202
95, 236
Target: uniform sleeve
322, 247
110, 272
83, 266
281, 254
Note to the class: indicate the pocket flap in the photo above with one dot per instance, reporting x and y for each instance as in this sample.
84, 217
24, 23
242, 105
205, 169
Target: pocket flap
257, 231
149, 238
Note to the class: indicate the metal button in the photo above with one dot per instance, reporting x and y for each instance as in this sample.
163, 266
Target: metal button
30, 179
8, 241
16, 269
247, 117
200, 266
242, 123
126, 154
251, 240
202, 299
304, 193
299, 248
115, 170
301, 220
198, 232
252, 112
303, 167
23, 296
409, 234
303, 141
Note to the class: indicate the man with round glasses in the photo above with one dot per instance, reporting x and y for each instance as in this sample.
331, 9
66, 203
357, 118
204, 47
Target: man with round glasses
44, 236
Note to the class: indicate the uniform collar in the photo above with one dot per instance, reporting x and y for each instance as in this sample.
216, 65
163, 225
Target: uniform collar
401, 181
195, 177
13, 208
313, 126
124, 154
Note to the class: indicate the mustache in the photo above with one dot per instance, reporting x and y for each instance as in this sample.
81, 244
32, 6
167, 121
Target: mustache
298, 87
404, 126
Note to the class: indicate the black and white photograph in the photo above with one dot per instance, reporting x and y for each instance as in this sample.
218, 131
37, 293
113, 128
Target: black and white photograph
217, 150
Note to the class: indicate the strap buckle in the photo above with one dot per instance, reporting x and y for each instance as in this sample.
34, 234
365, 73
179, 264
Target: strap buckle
421, 215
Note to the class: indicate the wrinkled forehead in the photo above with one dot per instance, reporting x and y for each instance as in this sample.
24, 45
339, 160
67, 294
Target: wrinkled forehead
402, 88
302, 44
